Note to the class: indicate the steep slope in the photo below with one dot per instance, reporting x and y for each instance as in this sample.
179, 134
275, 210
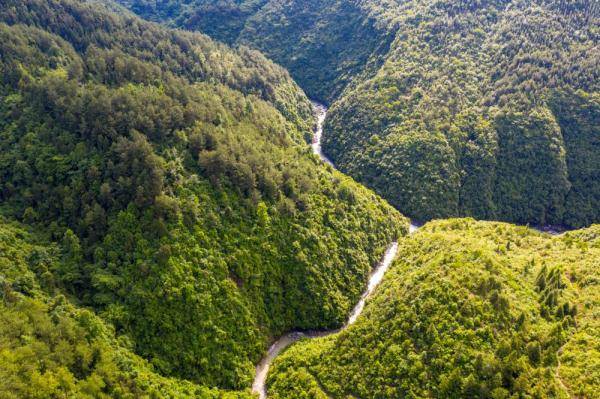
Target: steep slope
448, 108
469, 309
51, 348
138, 51
221, 19
324, 44
179, 170
459, 120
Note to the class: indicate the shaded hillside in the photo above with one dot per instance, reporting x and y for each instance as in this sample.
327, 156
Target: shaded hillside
222, 20
448, 108
462, 118
199, 224
469, 309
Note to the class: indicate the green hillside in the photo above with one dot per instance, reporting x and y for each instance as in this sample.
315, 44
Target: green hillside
52, 348
221, 19
194, 222
487, 109
163, 219
468, 310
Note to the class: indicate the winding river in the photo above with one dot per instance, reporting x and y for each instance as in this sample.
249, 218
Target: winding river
262, 369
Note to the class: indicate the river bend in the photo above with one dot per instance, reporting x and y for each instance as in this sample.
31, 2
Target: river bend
262, 369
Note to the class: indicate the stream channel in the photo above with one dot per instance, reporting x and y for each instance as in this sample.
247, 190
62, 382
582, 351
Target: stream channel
262, 369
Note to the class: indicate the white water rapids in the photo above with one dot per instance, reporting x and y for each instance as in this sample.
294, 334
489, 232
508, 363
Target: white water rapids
262, 369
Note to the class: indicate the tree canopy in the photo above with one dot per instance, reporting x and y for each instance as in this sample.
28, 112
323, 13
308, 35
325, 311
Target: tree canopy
174, 174
468, 309
502, 95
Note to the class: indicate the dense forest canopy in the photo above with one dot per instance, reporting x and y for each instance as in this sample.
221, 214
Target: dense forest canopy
163, 220
221, 19
52, 348
482, 108
181, 220
468, 310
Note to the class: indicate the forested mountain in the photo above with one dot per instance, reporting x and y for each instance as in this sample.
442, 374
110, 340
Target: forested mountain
221, 19
163, 219
468, 310
482, 108
179, 216
52, 348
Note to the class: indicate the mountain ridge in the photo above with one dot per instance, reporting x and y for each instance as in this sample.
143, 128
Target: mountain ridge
458, 80
164, 219
177, 173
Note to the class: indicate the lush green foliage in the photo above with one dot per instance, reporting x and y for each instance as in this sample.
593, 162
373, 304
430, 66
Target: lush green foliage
579, 117
51, 348
195, 220
476, 84
221, 19
324, 44
182, 222
481, 80
468, 309
118, 47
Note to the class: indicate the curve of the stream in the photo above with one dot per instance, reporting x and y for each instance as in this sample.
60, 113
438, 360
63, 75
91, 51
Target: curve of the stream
262, 369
